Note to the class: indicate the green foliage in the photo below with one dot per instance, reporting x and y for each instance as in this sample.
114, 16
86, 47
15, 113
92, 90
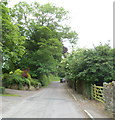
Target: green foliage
18, 72
12, 95
44, 33
2, 90
5, 76
44, 15
33, 36
44, 80
35, 83
15, 79
53, 78
42, 48
12, 41
92, 65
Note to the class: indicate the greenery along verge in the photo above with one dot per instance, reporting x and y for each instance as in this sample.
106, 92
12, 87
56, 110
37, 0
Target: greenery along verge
84, 67
34, 42
19, 80
92, 65
2, 90
13, 95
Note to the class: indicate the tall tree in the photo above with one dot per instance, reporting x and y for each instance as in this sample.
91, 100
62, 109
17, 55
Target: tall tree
44, 28
43, 52
48, 15
12, 41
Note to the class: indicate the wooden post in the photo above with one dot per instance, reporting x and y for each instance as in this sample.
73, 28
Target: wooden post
91, 91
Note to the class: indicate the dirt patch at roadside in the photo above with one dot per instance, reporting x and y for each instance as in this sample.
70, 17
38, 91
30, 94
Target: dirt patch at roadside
22, 93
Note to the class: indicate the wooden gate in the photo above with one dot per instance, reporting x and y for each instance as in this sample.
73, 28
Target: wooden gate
97, 93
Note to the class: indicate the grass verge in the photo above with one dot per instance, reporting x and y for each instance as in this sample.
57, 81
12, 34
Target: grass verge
54, 78
7, 94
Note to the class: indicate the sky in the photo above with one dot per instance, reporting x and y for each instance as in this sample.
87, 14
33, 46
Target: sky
91, 19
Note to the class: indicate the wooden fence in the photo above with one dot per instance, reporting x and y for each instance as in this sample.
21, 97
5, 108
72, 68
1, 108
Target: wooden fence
97, 93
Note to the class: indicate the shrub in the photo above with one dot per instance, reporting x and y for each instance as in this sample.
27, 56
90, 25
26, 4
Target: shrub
53, 77
2, 90
35, 83
18, 80
5, 77
29, 76
44, 80
18, 72
24, 74
26, 82
91, 65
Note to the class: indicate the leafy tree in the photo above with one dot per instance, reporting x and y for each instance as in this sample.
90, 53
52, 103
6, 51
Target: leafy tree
12, 41
42, 25
92, 65
20, 15
43, 52
29, 16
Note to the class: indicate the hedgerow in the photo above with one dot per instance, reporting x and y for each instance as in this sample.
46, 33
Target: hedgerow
91, 65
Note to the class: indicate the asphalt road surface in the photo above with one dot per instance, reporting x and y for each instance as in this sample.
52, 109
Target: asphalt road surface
53, 101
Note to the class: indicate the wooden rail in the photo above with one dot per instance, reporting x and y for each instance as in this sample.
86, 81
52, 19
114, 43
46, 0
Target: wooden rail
97, 93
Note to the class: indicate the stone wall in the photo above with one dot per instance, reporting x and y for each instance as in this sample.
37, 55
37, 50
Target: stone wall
109, 96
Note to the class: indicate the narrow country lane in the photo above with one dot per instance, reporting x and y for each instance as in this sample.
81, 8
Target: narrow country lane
53, 101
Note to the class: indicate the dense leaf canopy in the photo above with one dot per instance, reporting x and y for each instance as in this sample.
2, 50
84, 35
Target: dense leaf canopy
12, 42
92, 65
33, 37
